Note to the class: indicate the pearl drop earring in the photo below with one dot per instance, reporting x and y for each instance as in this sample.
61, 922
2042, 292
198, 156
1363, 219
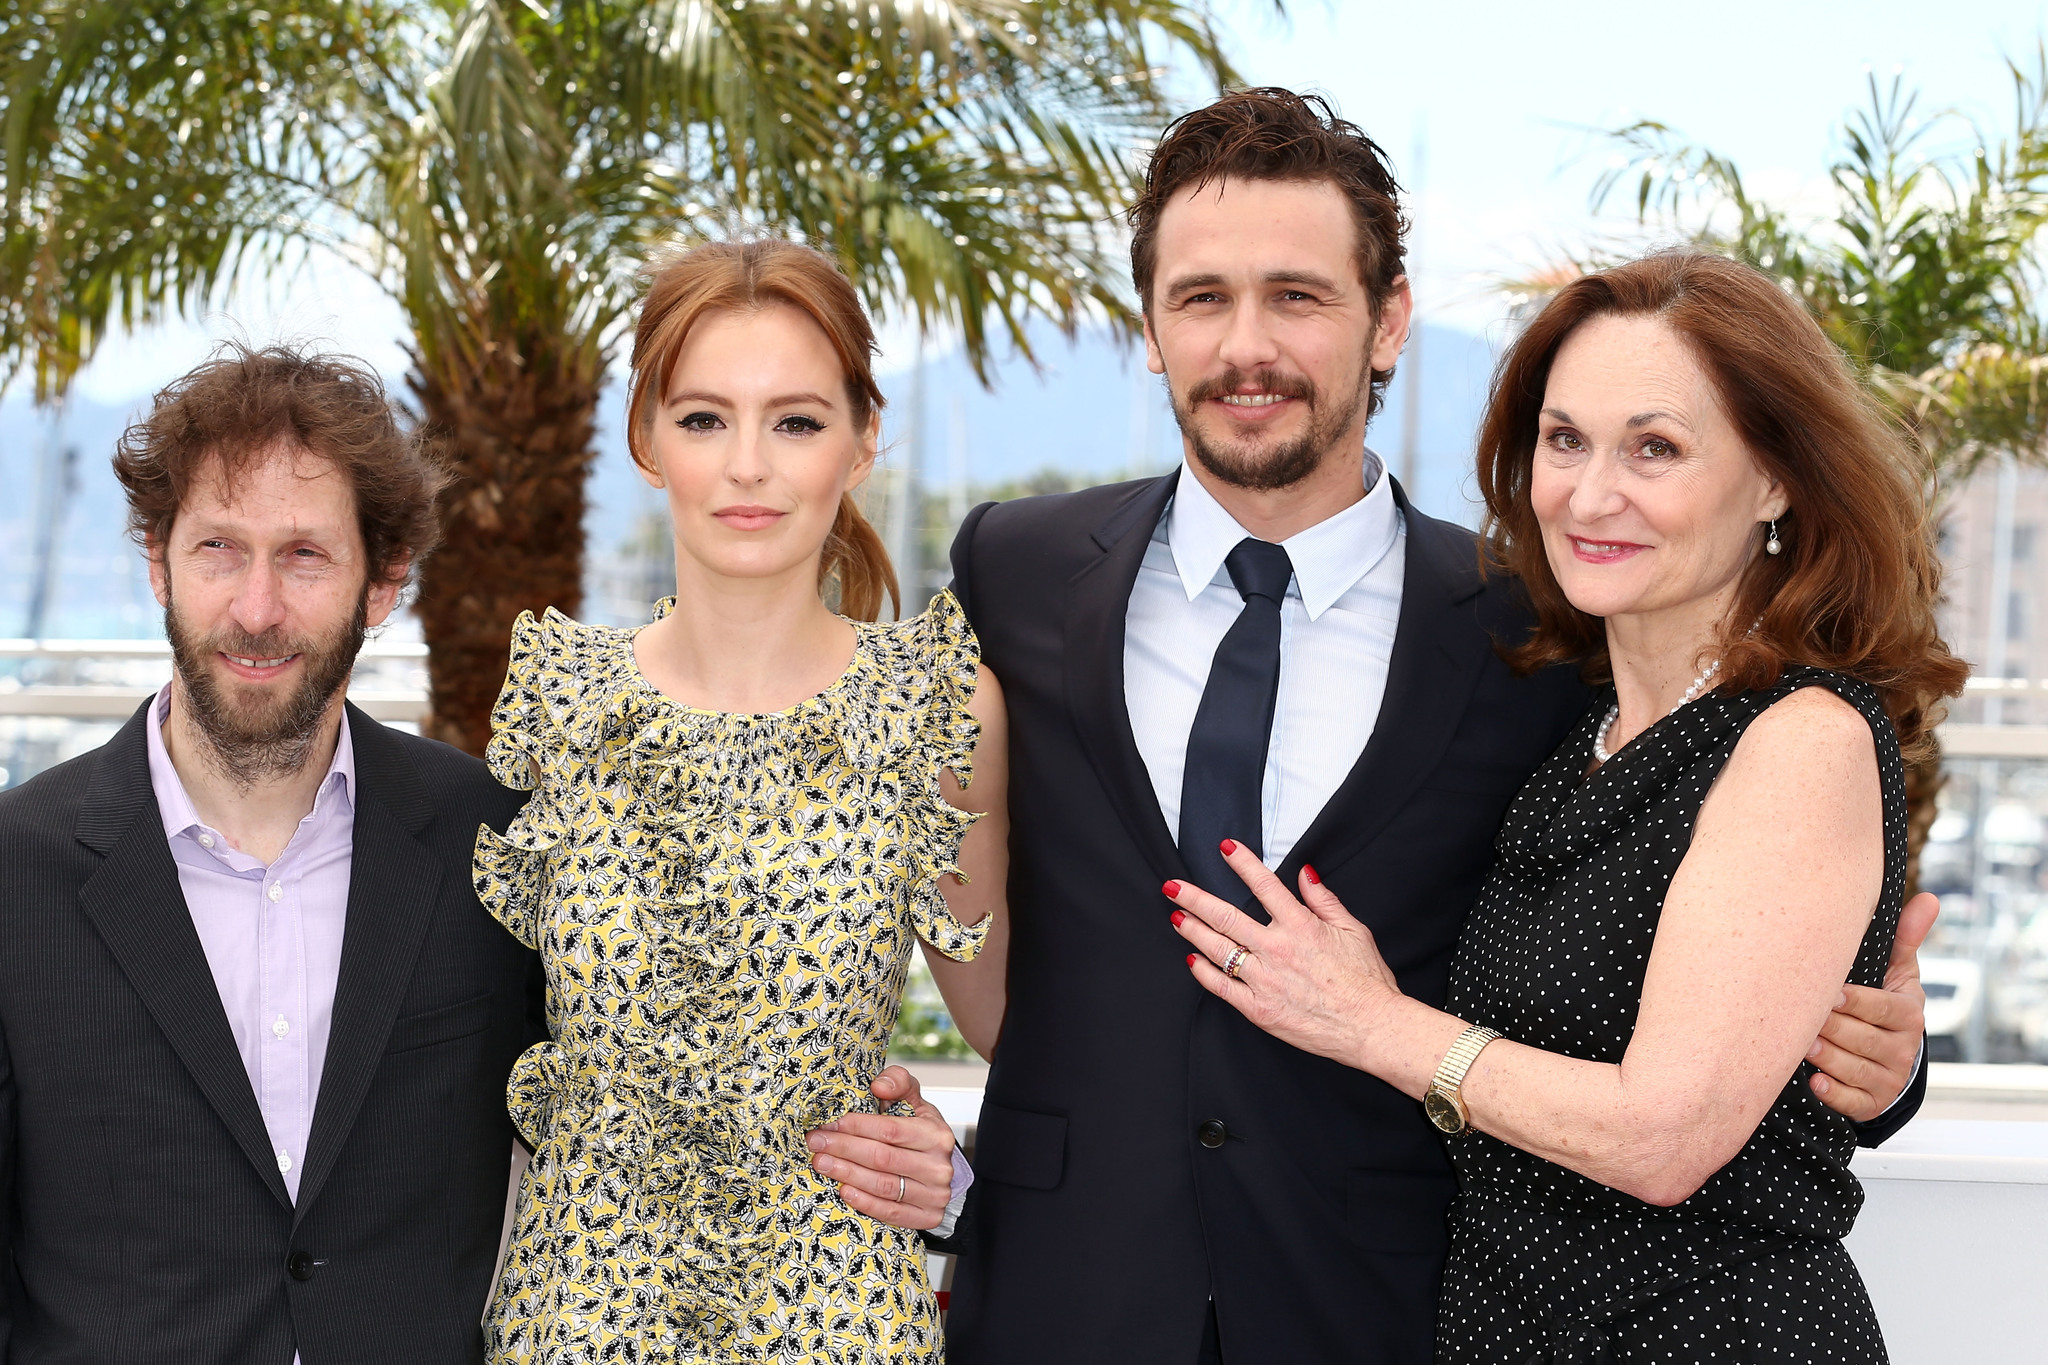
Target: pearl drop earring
1773, 545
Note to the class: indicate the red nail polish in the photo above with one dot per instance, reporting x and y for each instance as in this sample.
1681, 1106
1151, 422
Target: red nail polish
1191, 959
1229, 847
1178, 916
1315, 879
1172, 889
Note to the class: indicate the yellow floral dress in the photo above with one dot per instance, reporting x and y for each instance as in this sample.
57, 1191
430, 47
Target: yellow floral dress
726, 906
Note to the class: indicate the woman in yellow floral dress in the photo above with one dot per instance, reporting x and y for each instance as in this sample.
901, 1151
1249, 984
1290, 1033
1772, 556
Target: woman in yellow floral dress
743, 817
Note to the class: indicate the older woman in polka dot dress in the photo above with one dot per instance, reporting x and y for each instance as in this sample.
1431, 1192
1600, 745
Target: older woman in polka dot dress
1705, 510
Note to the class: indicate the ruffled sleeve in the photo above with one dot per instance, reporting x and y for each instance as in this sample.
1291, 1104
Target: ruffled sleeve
510, 871
944, 647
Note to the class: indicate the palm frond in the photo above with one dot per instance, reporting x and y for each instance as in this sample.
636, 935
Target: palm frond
153, 155
1927, 271
128, 134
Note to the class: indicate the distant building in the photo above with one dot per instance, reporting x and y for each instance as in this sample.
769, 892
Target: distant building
2005, 636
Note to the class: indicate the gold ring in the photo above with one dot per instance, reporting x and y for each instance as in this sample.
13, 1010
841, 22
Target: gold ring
1233, 964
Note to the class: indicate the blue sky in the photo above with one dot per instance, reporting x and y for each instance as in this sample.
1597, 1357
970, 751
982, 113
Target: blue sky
1502, 94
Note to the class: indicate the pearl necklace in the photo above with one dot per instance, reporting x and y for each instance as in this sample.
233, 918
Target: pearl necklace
1600, 754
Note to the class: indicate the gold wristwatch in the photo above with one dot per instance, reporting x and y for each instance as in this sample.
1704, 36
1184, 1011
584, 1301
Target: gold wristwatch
1444, 1103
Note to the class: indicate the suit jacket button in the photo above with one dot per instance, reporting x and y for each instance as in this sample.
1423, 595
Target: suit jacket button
300, 1266
1212, 1133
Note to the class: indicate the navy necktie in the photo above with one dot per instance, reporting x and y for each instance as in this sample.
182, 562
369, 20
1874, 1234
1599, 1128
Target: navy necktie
1223, 783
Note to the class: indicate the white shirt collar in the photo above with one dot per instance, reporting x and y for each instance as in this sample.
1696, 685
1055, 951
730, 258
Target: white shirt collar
1329, 557
174, 803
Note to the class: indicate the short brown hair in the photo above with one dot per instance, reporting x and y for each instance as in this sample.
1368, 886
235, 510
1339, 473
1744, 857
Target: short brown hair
746, 277
1856, 587
243, 403
1268, 133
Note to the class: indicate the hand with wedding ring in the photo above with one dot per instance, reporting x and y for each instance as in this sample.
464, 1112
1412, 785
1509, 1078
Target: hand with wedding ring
1313, 977
893, 1168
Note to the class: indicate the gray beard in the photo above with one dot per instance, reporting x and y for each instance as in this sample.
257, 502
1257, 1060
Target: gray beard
1280, 466
250, 745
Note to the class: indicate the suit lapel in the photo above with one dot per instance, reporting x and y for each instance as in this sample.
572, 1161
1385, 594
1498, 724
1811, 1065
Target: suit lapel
394, 885
1439, 653
1098, 599
135, 902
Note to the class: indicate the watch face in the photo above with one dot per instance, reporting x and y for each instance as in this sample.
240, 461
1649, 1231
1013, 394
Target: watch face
1443, 1112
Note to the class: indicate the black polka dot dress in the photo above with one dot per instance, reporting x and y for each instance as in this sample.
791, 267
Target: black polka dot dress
1550, 1268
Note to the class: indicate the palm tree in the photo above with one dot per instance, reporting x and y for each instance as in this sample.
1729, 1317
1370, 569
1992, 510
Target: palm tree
504, 167
1926, 274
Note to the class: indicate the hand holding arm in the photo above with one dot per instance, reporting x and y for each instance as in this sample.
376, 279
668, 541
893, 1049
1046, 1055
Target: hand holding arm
1871, 1045
894, 1169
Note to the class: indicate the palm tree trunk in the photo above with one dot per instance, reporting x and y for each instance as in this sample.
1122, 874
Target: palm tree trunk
516, 417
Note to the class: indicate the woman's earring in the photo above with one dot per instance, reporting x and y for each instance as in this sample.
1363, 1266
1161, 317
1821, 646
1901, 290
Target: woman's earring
1773, 545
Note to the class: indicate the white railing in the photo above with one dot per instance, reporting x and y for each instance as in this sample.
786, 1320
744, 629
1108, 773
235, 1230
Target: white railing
1949, 1241
115, 701
91, 702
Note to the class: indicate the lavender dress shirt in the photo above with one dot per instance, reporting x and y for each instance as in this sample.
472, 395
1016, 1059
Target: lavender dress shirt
272, 935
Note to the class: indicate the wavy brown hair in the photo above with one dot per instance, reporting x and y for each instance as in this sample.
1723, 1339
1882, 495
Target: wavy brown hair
1856, 587
747, 277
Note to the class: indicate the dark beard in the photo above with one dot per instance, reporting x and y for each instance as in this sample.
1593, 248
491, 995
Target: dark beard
250, 743
1281, 466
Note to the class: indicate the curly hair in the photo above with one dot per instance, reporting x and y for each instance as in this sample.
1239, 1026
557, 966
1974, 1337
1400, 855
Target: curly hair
1856, 588
242, 404
1268, 133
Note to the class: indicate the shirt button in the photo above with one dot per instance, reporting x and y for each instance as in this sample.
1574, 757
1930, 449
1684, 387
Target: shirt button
277, 891
281, 1027
206, 841
284, 1159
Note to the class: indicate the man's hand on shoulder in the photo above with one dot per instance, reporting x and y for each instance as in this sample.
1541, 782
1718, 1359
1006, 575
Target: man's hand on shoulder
893, 1168
1870, 1046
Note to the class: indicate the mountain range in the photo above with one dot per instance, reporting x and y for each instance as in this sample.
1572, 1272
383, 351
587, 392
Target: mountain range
1088, 410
